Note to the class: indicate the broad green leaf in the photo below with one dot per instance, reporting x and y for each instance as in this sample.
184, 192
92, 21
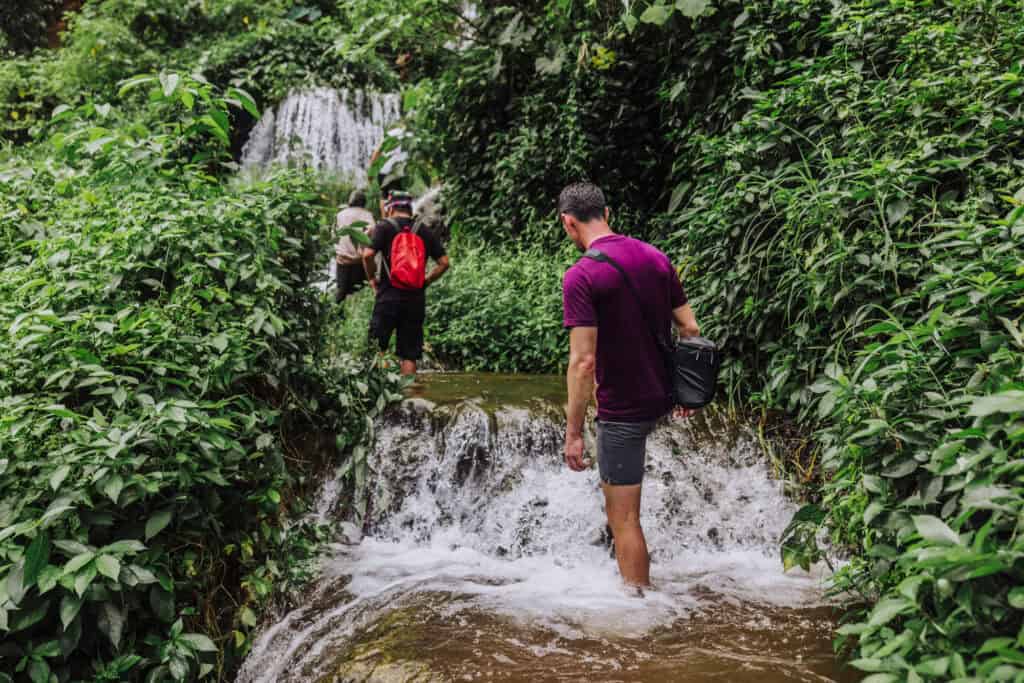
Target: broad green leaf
39, 671
111, 623
15, 584
199, 642
677, 195
935, 530
108, 566
84, 578
888, 609
357, 236
220, 342
1005, 402
57, 508
1016, 598
113, 486
157, 522
656, 14
872, 511
934, 667
79, 561
881, 678
692, 8
247, 617
896, 210
48, 578
179, 668
133, 83
125, 547
36, 558
58, 476
70, 605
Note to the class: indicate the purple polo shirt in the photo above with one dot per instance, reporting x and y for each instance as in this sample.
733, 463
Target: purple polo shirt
632, 384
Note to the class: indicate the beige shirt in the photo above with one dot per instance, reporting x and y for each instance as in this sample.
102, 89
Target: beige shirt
345, 250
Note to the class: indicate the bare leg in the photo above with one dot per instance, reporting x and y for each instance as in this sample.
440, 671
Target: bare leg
408, 367
622, 504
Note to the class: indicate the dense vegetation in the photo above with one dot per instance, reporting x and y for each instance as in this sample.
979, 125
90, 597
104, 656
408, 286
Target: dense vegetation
840, 184
166, 385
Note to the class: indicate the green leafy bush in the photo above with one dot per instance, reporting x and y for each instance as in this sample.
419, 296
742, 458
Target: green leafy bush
852, 198
500, 311
163, 393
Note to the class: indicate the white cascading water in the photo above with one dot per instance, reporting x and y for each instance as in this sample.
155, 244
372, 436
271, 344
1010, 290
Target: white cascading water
477, 528
335, 131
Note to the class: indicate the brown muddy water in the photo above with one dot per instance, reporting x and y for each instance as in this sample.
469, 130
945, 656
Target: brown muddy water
483, 558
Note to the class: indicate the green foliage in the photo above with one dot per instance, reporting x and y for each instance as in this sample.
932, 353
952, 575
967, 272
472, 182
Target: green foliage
499, 310
266, 48
852, 236
164, 390
540, 96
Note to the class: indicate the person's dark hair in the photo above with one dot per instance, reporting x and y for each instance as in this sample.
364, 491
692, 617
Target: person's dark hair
357, 199
582, 201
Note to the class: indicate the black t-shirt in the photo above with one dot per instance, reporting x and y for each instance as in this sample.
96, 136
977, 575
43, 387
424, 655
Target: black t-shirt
383, 235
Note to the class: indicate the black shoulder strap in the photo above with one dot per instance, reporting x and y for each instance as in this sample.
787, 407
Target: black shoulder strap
398, 228
601, 257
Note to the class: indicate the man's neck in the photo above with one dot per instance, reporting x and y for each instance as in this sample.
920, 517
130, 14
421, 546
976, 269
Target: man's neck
595, 231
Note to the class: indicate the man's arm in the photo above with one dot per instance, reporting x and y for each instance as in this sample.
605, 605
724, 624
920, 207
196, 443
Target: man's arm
440, 266
580, 380
686, 321
370, 266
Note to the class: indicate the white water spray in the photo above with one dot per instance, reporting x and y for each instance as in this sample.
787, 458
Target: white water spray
478, 506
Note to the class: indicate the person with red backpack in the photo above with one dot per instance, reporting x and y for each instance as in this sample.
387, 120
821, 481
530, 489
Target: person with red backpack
401, 298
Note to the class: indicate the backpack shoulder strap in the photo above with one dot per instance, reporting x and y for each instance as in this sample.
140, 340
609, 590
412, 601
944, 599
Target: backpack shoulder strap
601, 257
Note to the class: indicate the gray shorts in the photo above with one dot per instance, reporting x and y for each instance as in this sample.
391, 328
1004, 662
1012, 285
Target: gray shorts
622, 451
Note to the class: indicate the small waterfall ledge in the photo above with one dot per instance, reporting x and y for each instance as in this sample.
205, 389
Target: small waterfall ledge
483, 557
332, 131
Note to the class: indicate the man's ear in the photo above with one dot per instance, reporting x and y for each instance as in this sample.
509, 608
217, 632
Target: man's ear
607, 213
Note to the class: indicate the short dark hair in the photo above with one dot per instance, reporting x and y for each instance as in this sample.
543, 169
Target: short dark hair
357, 199
582, 201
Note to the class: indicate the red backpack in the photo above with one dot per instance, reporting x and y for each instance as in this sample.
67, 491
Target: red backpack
408, 258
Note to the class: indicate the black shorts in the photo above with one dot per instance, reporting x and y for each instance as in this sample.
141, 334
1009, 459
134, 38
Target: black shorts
350, 279
404, 316
622, 451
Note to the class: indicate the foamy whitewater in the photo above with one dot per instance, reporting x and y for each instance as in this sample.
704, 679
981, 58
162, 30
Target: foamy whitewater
335, 131
479, 505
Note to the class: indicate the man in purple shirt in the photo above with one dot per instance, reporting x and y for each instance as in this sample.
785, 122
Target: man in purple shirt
612, 343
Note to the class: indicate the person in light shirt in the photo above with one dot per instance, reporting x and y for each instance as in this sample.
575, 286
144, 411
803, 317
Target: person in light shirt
349, 257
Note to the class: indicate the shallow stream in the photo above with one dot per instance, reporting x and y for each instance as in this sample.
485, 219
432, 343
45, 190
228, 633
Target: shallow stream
484, 558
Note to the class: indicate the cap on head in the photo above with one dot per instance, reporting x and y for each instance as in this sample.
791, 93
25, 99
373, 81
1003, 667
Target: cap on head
357, 199
583, 201
398, 200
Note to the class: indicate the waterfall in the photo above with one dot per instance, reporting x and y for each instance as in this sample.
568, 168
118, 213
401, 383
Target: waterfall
483, 550
335, 131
